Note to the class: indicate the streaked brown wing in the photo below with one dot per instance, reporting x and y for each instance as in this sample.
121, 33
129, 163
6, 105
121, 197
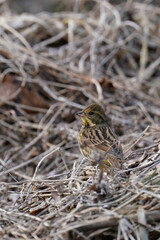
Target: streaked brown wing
101, 137
103, 146
114, 143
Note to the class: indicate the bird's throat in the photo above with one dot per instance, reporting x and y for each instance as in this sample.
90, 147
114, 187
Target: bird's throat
87, 122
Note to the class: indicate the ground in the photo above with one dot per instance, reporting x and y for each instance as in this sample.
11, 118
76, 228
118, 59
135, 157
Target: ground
53, 65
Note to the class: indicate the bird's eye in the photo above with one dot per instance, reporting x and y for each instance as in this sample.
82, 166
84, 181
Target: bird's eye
91, 113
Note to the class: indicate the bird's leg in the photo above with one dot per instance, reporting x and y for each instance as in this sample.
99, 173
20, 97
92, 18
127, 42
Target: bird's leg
100, 177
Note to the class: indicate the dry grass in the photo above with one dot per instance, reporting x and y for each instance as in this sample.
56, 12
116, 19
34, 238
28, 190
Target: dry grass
51, 66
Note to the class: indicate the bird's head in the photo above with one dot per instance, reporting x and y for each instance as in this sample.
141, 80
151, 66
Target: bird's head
92, 115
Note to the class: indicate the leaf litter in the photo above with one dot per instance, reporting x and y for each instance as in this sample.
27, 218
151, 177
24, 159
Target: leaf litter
52, 65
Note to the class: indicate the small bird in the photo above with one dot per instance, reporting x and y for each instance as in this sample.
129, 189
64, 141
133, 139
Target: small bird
97, 141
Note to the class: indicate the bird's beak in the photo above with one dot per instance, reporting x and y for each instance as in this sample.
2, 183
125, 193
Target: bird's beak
80, 114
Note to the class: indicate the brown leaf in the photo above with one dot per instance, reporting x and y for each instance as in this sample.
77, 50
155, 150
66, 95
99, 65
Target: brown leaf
9, 88
107, 84
31, 97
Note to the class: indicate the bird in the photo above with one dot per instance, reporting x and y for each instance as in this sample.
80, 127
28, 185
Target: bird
97, 141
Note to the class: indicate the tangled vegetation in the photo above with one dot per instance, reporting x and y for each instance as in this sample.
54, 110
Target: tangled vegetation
52, 65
